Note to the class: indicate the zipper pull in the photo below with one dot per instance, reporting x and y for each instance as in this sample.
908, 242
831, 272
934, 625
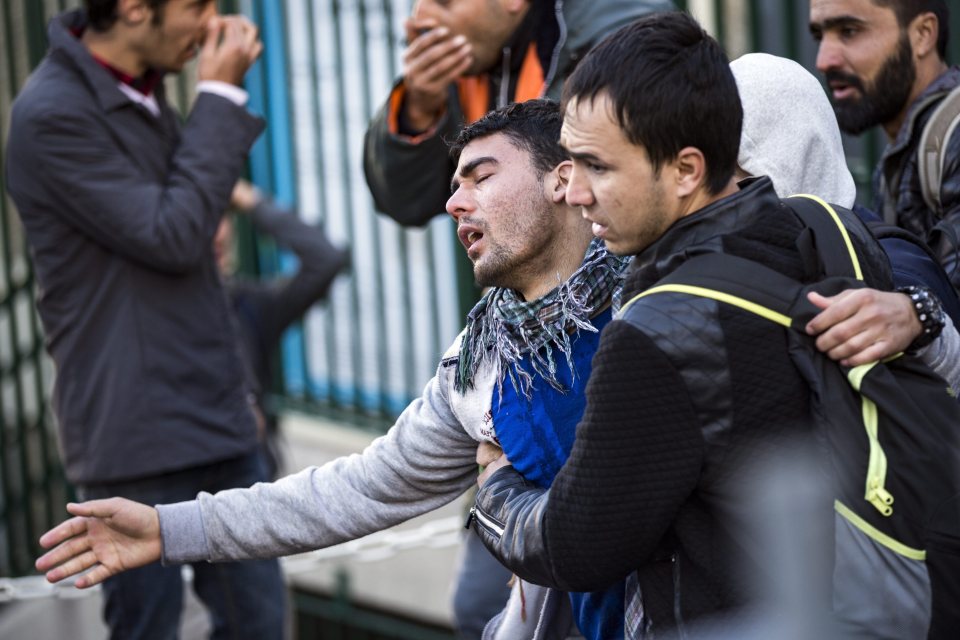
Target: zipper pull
470, 516
880, 498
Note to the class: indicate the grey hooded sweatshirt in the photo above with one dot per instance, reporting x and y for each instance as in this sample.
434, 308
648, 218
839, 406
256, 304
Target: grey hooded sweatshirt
790, 134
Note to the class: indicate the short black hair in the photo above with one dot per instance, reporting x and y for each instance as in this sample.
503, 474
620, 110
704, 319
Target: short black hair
533, 126
907, 10
671, 87
102, 14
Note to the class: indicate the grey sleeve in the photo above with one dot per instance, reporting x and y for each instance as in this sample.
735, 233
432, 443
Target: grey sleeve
410, 178
943, 355
425, 461
181, 531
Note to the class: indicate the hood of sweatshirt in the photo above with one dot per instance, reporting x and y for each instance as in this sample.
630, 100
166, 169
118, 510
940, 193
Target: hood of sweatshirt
790, 132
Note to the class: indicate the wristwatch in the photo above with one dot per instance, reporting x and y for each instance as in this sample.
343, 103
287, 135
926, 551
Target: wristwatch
929, 312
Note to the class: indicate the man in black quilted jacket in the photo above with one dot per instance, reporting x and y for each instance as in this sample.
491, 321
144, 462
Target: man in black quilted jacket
689, 397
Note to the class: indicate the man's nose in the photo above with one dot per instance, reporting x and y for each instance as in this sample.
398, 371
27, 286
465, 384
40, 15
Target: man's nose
209, 11
424, 9
829, 54
578, 190
458, 204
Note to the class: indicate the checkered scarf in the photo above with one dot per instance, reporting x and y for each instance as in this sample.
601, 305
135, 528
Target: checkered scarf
503, 327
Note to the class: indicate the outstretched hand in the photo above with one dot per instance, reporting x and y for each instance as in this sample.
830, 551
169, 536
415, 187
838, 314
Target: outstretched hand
105, 536
858, 326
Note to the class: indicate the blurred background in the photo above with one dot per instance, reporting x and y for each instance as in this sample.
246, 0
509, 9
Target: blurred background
355, 361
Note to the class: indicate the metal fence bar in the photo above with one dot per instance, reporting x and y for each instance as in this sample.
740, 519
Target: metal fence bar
379, 307
33, 485
7, 530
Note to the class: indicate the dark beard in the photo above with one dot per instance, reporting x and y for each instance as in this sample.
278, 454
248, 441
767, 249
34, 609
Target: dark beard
881, 102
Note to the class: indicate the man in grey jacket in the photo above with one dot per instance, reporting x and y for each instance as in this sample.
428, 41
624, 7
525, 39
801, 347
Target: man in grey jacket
513, 378
463, 59
120, 208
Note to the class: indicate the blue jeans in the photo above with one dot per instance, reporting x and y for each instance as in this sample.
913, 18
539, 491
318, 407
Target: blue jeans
245, 599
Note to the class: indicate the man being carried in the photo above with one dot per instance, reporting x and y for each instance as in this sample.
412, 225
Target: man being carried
514, 378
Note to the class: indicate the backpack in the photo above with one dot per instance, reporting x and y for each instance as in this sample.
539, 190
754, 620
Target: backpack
886, 433
933, 141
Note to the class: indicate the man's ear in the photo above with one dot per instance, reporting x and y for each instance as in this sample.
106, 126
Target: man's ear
689, 171
560, 178
923, 32
134, 12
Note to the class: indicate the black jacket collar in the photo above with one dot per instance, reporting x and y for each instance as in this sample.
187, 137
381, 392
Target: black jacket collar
703, 231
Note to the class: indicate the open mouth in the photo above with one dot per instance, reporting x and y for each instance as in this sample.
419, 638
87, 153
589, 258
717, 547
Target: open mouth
469, 237
843, 86
842, 90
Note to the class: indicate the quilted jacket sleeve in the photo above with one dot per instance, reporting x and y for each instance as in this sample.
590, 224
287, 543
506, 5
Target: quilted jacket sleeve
636, 459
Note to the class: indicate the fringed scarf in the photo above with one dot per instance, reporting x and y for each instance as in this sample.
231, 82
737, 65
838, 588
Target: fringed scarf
502, 327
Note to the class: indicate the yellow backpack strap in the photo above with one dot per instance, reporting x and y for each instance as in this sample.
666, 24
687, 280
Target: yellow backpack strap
748, 285
773, 296
833, 244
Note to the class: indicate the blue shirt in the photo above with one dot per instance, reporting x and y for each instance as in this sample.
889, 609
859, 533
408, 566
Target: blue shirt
537, 434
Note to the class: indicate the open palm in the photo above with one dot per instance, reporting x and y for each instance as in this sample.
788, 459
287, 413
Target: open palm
105, 536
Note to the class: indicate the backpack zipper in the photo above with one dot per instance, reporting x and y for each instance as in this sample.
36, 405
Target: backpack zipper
876, 493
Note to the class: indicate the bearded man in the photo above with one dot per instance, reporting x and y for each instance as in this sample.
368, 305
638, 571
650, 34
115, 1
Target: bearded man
884, 62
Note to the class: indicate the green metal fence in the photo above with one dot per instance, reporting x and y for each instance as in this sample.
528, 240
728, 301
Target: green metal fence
32, 487
338, 617
327, 65
366, 354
